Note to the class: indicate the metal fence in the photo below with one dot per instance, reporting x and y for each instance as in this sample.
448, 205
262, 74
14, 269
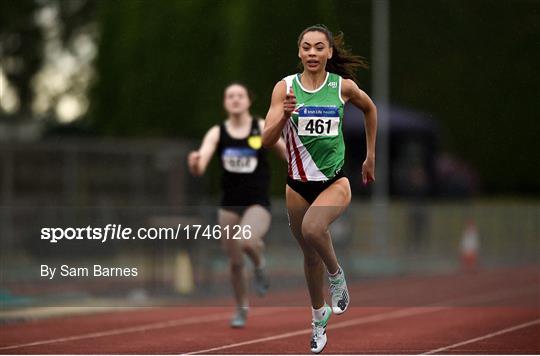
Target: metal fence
145, 184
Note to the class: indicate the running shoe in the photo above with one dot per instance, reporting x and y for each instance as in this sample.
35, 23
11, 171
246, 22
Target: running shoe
318, 333
339, 292
239, 318
262, 282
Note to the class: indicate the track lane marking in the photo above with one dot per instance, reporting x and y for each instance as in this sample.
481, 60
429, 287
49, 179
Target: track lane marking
396, 314
132, 329
224, 316
357, 321
484, 337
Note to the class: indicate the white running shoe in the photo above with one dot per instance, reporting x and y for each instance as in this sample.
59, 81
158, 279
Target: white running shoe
239, 318
339, 292
318, 333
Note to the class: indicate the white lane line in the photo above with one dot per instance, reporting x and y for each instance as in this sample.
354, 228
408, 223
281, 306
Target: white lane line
487, 336
132, 329
357, 321
225, 316
380, 317
35, 313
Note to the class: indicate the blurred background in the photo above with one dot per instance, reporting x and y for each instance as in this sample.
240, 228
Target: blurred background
102, 100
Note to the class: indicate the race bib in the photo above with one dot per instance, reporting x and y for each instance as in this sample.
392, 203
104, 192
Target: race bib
318, 121
239, 160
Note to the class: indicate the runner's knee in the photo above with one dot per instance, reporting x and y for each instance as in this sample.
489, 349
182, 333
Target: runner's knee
313, 230
252, 244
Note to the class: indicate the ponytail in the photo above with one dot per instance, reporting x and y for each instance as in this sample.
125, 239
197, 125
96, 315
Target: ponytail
343, 62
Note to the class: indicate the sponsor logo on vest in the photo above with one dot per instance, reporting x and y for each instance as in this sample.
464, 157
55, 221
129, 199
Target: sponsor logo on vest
298, 106
332, 85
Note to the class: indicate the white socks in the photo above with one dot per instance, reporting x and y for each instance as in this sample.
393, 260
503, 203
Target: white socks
319, 314
338, 272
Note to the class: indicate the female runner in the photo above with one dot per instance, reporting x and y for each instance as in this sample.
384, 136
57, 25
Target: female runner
307, 110
244, 181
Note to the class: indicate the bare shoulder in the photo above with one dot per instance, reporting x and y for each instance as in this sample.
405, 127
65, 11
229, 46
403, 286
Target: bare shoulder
213, 132
280, 90
349, 89
348, 86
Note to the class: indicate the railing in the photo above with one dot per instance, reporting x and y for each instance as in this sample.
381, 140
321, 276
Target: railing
145, 184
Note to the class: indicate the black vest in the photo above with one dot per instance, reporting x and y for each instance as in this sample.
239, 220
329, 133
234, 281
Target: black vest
244, 164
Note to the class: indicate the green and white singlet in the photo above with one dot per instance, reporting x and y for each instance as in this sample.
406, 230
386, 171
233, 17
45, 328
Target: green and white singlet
313, 134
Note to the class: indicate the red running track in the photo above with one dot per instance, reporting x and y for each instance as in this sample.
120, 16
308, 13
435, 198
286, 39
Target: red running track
489, 312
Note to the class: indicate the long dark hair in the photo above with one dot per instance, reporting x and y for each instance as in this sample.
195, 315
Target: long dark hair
343, 62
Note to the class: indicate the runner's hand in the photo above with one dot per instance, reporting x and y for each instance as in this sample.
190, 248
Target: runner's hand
289, 104
193, 162
368, 170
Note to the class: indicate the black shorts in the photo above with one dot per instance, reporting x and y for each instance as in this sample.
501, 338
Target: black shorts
240, 207
310, 190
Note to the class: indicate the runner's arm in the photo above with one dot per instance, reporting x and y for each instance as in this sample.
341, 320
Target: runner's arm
275, 118
198, 160
279, 148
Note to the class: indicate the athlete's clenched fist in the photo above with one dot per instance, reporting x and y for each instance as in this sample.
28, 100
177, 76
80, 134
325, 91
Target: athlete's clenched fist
289, 104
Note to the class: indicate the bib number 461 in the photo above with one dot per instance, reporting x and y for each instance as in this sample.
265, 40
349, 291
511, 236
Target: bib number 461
318, 126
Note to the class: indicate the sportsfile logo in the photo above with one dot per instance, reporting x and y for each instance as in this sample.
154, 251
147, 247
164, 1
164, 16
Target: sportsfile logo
332, 85
119, 232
